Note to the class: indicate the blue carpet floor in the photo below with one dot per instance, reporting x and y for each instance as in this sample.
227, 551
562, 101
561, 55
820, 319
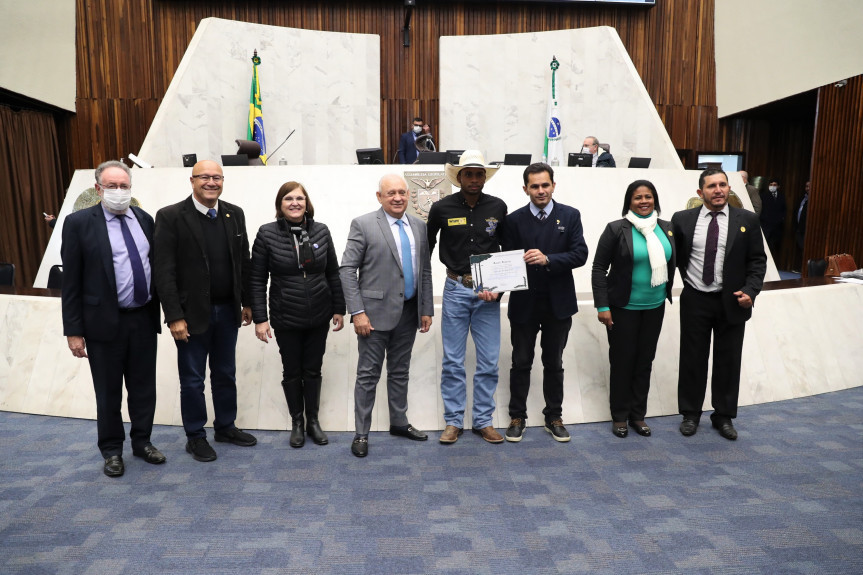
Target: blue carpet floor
787, 497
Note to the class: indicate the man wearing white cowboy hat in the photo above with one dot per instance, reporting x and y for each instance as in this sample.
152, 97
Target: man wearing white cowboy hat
469, 224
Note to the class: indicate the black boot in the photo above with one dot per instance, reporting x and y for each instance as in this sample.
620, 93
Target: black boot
298, 439
316, 433
294, 395
312, 396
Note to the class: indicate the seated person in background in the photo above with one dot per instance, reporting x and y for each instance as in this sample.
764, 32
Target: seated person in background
601, 158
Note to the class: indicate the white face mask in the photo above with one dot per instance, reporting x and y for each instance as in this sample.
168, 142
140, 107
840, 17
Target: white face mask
418, 129
585, 150
116, 200
773, 189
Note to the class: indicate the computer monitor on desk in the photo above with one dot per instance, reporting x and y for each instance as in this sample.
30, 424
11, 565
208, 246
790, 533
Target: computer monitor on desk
516, 159
432, 158
235, 160
366, 156
580, 160
639, 162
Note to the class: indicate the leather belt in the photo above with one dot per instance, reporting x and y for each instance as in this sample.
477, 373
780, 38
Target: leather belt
466, 280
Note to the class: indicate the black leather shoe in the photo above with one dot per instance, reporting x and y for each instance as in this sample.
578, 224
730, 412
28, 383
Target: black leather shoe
619, 429
298, 437
200, 449
726, 429
688, 427
642, 430
408, 431
515, 431
150, 454
236, 436
313, 428
557, 431
114, 466
360, 446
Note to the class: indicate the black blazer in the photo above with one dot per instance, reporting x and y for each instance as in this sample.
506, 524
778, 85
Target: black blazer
615, 249
745, 261
181, 270
563, 243
90, 306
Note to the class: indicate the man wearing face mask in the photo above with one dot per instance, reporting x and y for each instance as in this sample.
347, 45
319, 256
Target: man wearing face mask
407, 144
773, 216
601, 158
111, 314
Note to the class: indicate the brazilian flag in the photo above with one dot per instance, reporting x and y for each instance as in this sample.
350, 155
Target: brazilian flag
256, 115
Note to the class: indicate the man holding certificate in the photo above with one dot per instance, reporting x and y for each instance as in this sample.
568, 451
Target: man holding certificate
550, 234
469, 223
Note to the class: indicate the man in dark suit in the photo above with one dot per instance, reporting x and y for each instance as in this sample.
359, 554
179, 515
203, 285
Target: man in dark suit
773, 207
201, 264
407, 143
550, 234
110, 311
601, 158
720, 255
386, 278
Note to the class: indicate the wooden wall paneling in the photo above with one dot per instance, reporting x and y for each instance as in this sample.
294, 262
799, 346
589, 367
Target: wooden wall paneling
835, 220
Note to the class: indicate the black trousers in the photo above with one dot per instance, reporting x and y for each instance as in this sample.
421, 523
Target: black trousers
631, 349
302, 352
555, 333
702, 315
130, 356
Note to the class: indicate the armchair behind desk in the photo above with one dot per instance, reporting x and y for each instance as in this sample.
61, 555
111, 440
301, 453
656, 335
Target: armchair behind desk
252, 149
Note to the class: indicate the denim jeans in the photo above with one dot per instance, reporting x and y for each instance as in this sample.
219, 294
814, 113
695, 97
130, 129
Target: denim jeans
463, 311
219, 342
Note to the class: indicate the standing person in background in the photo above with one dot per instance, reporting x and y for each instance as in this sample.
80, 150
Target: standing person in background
800, 221
296, 255
630, 300
110, 310
551, 236
772, 214
201, 265
407, 143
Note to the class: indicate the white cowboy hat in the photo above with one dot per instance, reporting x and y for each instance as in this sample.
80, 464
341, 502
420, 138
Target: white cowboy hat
469, 159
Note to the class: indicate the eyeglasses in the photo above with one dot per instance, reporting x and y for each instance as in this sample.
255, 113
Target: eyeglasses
207, 178
123, 187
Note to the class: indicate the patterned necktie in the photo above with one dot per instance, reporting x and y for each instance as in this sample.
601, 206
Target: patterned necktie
407, 261
710, 248
139, 279
541, 215
211, 213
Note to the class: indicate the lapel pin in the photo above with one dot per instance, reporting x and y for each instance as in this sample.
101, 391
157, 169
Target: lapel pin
227, 215
742, 228
670, 233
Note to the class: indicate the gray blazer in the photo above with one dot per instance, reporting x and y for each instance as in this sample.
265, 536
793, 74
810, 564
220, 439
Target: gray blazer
371, 271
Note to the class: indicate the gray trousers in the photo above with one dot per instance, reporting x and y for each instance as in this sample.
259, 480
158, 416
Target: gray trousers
396, 345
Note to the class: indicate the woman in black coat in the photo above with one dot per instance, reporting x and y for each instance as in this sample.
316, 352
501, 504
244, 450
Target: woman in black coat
630, 300
297, 254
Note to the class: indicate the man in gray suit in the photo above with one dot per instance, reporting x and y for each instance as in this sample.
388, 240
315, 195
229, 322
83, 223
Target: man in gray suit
386, 278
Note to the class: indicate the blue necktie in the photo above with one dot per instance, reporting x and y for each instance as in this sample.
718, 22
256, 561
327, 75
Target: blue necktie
541, 215
211, 213
139, 279
407, 261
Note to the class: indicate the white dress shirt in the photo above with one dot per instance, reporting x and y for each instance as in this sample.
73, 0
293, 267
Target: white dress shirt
695, 269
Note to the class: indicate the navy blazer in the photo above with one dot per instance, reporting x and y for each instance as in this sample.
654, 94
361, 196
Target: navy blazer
615, 249
605, 160
407, 148
561, 238
745, 261
181, 270
90, 305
